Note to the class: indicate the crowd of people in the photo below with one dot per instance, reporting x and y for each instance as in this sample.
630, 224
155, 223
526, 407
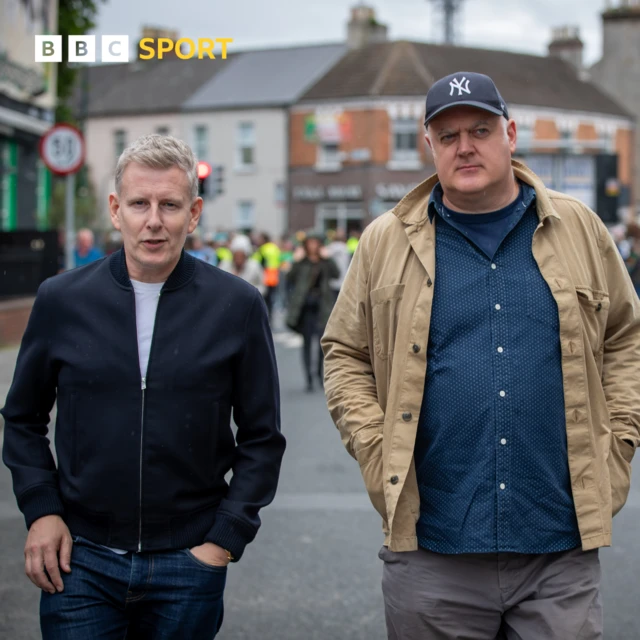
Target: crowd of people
300, 275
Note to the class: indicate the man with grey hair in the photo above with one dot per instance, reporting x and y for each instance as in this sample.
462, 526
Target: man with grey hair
149, 353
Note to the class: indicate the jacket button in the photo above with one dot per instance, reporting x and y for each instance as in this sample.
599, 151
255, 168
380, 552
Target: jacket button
429, 283
406, 416
599, 306
416, 348
394, 479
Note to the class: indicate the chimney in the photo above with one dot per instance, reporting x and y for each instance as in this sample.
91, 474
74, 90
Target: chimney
566, 44
156, 33
363, 28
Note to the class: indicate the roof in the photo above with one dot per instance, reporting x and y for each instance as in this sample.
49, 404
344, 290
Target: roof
144, 87
266, 77
404, 68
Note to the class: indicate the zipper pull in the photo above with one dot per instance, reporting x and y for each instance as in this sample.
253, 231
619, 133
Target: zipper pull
144, 383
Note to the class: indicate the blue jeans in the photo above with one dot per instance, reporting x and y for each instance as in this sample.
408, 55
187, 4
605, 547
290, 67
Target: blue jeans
159, 596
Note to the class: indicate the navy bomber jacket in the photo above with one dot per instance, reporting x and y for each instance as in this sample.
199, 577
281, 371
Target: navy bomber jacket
142, 463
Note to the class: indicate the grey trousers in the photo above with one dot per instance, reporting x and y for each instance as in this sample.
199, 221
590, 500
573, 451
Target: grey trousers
496, 596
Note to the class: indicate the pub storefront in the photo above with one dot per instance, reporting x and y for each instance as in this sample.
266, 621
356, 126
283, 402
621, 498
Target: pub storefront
348, 199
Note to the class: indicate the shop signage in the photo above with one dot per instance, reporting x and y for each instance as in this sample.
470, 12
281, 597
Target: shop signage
393, 190
317, 193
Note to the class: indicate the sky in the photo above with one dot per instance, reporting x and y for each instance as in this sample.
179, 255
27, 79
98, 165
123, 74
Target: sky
516, 25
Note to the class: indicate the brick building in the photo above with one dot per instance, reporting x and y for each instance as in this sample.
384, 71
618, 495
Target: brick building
356, 137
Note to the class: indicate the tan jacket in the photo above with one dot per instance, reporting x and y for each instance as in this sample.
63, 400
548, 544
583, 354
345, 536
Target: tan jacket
375, 346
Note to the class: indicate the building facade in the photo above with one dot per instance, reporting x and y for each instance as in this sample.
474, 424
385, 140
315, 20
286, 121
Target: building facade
357, 136
618, 71
27, 104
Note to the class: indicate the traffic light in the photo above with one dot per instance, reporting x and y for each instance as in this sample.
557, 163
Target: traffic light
204, 171
217, 181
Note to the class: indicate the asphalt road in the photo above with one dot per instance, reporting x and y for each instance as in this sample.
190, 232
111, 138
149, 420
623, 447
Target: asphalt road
313, 571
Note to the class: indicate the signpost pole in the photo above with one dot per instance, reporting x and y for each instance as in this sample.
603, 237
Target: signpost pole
70, 220
62, 149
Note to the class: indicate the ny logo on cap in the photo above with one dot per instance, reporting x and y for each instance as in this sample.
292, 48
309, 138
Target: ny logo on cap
460, 85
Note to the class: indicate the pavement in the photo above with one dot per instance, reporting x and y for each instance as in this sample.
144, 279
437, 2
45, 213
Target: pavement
312, 573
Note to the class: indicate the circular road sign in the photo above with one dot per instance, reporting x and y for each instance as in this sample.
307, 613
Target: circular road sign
62, 149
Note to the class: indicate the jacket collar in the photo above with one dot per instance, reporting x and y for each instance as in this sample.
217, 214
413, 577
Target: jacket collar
180, 276
413, 209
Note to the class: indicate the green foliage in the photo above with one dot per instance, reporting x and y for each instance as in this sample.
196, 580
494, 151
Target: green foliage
75, 18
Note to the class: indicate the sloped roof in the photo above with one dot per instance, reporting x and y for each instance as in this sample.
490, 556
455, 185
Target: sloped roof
157, 86
266, 77
404, 68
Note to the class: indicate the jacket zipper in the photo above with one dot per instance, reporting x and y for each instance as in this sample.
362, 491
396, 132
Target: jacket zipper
144, 389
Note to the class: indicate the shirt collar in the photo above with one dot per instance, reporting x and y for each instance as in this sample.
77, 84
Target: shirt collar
436, 204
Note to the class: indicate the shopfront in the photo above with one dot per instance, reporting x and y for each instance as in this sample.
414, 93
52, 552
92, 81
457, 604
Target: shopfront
347, 200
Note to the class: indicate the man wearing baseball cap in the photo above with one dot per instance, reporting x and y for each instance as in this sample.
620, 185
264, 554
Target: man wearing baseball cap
482, 365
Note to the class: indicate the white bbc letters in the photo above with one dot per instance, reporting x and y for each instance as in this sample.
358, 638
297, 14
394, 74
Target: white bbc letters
48, 49
115, 48
82, 48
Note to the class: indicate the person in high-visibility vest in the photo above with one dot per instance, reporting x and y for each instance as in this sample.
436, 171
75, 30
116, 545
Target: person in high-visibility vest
352, 242
223, 252
268, 254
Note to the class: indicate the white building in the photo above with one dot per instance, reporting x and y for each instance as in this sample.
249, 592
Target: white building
233, 113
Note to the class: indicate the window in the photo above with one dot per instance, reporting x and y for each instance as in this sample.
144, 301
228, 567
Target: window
200, 135
524, 137
339, 215
119, 141
162, 131
245, 214
329, 156
405, 141
246, 145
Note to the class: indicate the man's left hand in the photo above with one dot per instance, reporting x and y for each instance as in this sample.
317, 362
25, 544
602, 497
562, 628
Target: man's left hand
212, 554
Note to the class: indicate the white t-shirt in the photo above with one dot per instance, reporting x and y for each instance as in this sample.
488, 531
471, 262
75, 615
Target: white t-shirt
147, 296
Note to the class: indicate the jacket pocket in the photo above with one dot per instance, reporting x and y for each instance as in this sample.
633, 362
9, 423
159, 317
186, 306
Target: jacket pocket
368, 452
385, 307
619, 462
594, 311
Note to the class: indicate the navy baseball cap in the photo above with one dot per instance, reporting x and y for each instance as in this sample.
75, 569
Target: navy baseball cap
472, 89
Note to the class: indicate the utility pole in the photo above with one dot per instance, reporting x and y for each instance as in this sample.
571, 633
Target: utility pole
449, 10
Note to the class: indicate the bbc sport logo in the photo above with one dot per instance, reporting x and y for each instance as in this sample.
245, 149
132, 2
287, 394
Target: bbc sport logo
116, 48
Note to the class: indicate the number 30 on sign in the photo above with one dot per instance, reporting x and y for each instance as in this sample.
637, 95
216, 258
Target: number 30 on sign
62, 149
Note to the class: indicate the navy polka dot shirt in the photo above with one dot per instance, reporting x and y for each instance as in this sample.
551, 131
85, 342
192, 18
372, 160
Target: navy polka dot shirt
491, 450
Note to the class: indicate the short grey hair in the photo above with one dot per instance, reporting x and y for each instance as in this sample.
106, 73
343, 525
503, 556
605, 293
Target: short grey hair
159, 152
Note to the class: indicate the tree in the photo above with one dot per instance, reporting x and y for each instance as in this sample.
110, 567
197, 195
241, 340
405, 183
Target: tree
75, 18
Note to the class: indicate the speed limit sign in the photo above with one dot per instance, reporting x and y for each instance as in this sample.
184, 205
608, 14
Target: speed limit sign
62, 149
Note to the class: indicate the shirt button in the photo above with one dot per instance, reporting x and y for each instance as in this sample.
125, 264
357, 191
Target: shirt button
502, 394
503, 486
406, 416
503, 441
416, 348
493, 266
500, 349
394, 479
497, 307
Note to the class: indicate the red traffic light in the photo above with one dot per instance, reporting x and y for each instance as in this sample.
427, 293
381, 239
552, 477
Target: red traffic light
204, 170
